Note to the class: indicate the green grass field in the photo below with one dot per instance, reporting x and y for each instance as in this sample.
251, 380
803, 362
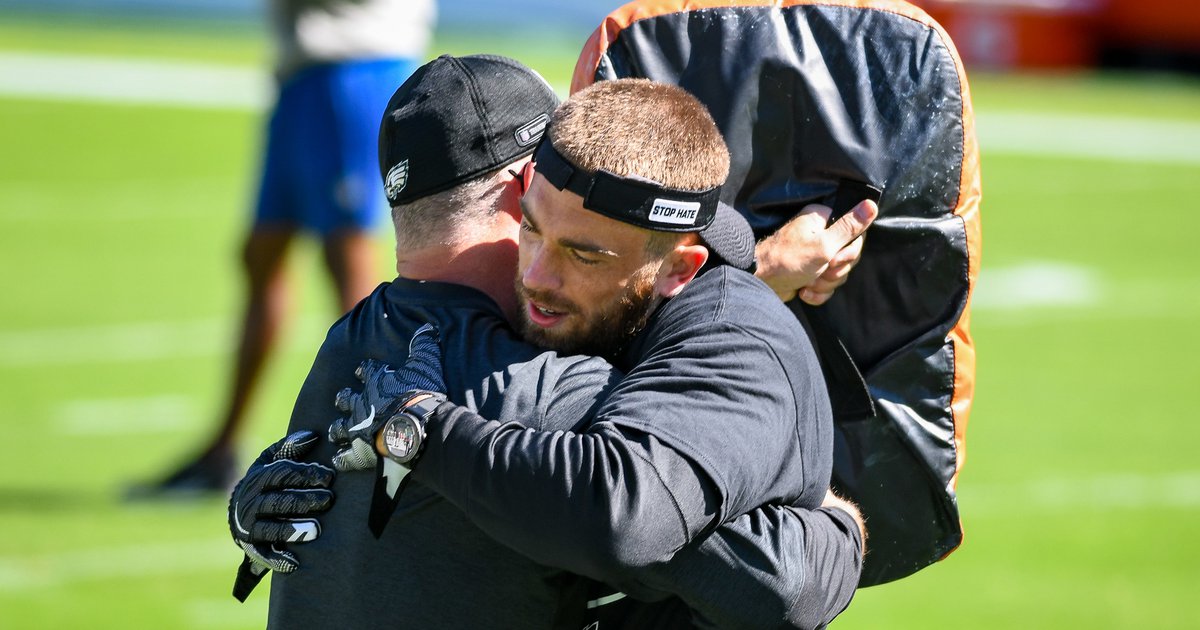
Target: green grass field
119, 228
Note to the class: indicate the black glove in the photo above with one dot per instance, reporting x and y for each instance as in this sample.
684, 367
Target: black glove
275, 503
384, 392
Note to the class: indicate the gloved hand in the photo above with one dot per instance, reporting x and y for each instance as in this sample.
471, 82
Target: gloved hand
384, 392
275, 503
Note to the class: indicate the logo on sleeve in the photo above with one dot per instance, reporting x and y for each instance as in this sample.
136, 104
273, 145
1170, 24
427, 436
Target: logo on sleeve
675, 212
396, 180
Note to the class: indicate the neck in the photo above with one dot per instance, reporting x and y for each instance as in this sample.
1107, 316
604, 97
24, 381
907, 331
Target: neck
488, 267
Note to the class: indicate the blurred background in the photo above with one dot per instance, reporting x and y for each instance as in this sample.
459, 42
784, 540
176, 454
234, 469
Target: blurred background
129, 138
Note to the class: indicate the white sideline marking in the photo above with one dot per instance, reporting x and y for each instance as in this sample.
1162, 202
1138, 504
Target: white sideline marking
1037, 284
133, 81
115, 416
139, 81
144, 341
113, 344
1102, 493
1117, 138
42, 571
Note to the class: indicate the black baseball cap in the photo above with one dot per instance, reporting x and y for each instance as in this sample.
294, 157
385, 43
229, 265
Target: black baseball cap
458, 118
651, 205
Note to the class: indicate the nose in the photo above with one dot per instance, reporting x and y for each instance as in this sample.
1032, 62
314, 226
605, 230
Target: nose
538, 272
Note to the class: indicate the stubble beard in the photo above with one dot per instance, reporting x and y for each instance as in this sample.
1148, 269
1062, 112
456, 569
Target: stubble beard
606, 333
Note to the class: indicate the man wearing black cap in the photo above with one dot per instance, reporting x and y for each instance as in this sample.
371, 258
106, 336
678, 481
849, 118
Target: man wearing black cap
444, 151
723, 408
446, 162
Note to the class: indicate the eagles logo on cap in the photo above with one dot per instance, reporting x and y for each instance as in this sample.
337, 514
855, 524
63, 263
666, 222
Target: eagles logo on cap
396, 180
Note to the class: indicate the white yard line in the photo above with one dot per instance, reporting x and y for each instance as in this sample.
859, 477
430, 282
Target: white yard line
140, 341
1109, 492
1037, 284
1123, 139
1041, 292
133, 81
118, 416
143, 341
53, 570
139, 81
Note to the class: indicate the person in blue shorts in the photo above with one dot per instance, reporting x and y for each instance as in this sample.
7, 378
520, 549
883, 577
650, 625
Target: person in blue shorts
338, 63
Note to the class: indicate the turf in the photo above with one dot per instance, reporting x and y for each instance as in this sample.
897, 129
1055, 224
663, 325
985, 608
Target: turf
119, 230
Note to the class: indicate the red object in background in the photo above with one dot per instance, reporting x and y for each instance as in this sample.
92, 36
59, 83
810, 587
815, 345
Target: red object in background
1162, 25
1010, 34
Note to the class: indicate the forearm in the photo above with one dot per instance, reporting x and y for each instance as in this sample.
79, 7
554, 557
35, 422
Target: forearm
598, 503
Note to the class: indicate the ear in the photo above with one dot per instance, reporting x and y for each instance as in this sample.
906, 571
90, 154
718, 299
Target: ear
519, 175
526, 176
680, 266
522, 172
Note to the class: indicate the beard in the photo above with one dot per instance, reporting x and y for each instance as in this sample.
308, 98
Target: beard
606, 331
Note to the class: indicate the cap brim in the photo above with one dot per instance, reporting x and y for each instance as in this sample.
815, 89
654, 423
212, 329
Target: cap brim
730, 238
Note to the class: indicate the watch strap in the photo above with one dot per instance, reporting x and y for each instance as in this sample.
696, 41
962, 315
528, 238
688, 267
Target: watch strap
391, 477
423, 404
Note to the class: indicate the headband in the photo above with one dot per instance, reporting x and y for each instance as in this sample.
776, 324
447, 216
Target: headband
634, 200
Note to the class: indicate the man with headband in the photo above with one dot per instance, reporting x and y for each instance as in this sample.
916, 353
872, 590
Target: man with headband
723, 408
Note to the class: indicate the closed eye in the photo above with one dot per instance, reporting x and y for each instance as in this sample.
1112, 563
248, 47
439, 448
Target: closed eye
584, 259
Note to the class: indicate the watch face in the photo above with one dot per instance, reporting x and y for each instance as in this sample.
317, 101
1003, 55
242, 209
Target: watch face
401, 437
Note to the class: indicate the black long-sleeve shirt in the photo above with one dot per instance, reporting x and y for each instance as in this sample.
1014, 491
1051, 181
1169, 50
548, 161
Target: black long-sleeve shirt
723, 410
436, 567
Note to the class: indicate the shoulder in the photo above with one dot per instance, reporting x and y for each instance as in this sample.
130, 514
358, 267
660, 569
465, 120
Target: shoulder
729, 322
724, 298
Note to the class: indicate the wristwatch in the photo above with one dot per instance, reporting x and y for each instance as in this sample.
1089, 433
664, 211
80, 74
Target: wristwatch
403, 436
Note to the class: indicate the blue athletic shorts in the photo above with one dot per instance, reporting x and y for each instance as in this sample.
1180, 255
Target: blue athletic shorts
321, 164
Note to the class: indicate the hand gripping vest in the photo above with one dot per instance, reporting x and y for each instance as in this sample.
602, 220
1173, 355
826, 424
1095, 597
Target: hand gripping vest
818, 99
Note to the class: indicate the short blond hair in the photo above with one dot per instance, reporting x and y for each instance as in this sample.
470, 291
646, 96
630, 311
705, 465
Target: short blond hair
637, 127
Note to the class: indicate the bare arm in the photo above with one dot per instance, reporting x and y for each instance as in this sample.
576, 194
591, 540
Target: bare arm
834, 501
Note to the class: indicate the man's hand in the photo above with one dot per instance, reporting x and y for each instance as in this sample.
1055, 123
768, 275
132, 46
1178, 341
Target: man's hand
384, 392
806, 259
276, 503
